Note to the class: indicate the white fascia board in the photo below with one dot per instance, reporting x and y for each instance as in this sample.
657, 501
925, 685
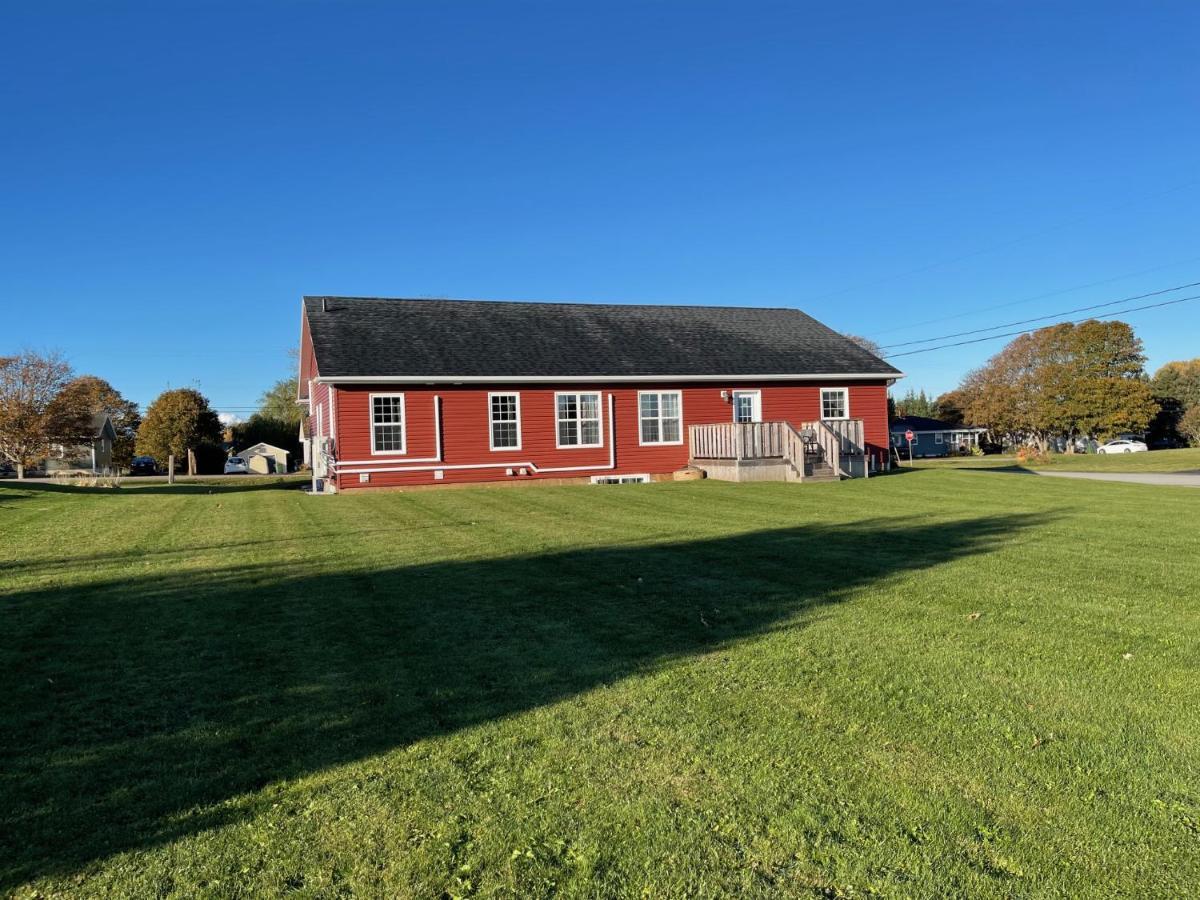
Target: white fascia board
595, 379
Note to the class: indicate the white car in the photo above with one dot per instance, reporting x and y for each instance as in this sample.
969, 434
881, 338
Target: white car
236, 465
1122, 446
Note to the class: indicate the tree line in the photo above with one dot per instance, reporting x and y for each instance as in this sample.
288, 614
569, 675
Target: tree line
1069, 382
44, 405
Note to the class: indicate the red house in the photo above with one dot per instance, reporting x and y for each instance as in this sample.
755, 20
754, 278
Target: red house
408, 392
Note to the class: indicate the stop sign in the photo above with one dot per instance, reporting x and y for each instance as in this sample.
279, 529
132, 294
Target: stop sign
908, 436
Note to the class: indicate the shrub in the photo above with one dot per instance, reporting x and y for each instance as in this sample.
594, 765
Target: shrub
1189, 424
1031, 456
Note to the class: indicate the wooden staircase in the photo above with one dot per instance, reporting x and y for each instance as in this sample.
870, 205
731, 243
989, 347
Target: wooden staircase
818, 469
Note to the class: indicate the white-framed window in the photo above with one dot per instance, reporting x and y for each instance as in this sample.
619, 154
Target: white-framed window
660, 417
577, 420
835, 403
937, 438
620, 479
387, 423
504, 421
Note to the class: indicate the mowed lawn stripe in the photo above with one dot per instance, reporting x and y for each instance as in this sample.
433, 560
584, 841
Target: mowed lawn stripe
915, 685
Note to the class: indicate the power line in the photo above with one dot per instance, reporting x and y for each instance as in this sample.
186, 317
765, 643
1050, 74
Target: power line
1043, 318
1058, 293
992, 337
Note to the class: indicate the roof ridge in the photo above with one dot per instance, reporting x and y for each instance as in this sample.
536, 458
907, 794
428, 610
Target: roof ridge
586, 303
357, 336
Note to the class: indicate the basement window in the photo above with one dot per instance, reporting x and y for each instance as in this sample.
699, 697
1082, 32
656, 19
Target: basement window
621, 479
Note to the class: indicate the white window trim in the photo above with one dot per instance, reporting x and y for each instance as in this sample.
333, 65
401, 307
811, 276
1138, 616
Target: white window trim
599, 395
938, 439
491, 422
403, 424
640, 478
660, 443
846, 404
758, 410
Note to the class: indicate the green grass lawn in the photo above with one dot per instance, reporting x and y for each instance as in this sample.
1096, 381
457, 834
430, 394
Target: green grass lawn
1154, 461
934, 683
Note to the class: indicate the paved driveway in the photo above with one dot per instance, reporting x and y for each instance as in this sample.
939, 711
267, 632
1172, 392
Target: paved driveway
1178, 479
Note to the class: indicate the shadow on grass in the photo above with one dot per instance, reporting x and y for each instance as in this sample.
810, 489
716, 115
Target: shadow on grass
12, 490
141, 710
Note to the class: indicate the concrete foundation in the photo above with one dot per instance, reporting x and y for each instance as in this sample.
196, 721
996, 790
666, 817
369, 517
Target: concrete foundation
747, 469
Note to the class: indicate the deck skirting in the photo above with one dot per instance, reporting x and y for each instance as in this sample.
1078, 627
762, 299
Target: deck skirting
776, 469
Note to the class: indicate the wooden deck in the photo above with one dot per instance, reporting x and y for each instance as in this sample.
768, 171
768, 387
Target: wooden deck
776, 451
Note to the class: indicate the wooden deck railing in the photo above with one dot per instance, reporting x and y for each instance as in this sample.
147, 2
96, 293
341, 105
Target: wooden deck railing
737, 440
848, 431
833, 440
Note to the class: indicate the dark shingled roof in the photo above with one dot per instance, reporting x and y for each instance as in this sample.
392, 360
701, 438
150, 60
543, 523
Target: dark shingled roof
921, 423
371, 336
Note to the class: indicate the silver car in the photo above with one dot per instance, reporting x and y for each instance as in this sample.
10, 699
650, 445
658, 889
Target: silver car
236, 465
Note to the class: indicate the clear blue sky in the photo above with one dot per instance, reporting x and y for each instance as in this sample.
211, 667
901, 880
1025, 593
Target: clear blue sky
174, 177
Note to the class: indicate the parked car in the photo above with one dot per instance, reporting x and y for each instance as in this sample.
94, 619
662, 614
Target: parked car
143, 465
236, 465
1167, 443
1122, 446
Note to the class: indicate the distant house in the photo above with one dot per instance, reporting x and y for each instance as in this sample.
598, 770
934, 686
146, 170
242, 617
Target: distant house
93, 456
933, 438
403, 392
265, 459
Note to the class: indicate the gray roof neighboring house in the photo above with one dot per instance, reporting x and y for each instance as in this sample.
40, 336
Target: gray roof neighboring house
368, 337
923, 425
102, 426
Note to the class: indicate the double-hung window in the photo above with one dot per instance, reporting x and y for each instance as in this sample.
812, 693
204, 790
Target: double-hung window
835, 403
578, 420
660, 417
504, 411
387, 423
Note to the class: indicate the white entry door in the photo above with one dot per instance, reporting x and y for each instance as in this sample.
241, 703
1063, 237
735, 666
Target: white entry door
747, 406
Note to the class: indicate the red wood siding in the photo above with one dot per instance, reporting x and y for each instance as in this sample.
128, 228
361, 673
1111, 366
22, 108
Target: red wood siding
319, 406
308, 357
465, 428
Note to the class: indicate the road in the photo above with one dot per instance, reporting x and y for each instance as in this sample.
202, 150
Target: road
1177, 479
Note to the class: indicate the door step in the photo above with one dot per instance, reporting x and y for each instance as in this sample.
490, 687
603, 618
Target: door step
822, 472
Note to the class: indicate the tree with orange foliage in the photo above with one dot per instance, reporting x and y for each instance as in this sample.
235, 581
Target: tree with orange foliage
1065, 381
